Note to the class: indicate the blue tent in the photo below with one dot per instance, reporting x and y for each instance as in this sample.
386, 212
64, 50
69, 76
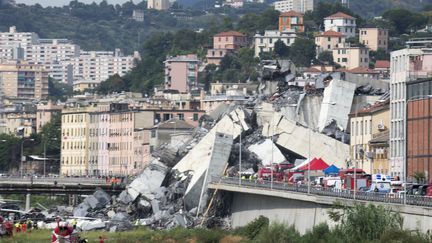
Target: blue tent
331, 170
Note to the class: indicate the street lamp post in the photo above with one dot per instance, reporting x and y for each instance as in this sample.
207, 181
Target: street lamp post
22, 154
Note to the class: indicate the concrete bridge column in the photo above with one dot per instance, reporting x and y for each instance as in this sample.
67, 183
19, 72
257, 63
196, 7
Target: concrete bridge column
73, 200
27, 202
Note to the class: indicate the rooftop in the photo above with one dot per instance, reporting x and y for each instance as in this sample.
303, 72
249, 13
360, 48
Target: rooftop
362, 70
340, 15
378, 106
175, 123
291, 13
230, 33
382, 64
331, 33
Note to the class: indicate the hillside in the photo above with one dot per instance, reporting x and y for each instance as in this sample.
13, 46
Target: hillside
98, 26
372, 8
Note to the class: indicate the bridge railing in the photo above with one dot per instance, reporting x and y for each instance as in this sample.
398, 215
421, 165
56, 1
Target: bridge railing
331, 192
93, 181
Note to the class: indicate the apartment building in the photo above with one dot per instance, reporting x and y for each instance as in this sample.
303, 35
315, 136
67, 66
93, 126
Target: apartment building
230, 40
158, 4
291, 21
17, 117
48, 50
12, 38
181, 73
266, 42
45, 111
24, 80
100, 65
406, 65
138, 15
419, 130
11, 52
365, 124
351, 57
64, 61
341, 22
223, 43
374, 38
329, 40
112, 137
301, 6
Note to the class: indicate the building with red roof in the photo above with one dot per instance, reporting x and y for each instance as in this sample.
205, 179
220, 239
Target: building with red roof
383, 68
223, 43
329, 40
342, 23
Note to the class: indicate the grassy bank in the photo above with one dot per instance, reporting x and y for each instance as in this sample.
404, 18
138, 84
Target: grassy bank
138, 235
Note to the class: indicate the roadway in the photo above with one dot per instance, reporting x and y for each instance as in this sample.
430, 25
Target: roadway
56, 186
319, 194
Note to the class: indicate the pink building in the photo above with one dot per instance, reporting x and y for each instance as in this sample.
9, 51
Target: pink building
223, 43
231, 40
181, 73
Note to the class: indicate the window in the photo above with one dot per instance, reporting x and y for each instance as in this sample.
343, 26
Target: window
195, 117
328, 39
344, 59
153, 133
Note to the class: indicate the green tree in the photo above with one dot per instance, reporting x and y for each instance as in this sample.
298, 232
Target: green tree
405, 21
9, 152
326, 57
419, 176
302, 52
365, 222
280, 49
58, 91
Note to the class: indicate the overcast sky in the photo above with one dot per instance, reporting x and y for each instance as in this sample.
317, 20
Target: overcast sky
66, 2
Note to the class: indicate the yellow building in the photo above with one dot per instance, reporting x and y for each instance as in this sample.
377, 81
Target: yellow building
374, 38
351, 57
329, 40
75, 141
365, 124
83, 85
379, 146
23, 80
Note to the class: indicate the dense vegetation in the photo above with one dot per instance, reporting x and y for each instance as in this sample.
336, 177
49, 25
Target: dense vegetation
360, 223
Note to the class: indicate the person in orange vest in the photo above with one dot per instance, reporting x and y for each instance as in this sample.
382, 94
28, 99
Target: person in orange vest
23, 227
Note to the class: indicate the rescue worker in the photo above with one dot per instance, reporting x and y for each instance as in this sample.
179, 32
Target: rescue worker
29, 225
17, 227
74, 223
23, 226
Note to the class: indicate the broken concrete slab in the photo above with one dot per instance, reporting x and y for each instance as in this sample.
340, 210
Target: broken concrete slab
124, 197
336, 105
149, 181
86, 225
102, 197
295, 138
92, 201
155, 206
81, 210
267, 151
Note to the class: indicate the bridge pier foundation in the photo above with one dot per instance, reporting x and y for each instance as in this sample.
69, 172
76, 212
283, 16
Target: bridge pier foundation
27, 202
73, 200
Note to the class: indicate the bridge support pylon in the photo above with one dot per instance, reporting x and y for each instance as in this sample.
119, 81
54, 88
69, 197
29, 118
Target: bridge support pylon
27, 202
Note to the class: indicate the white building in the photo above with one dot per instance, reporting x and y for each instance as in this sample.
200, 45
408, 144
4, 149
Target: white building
48, 50
404, 67
11, 52
301, 6
138, 15
100, 65
266, 42
18, 39
341, 22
